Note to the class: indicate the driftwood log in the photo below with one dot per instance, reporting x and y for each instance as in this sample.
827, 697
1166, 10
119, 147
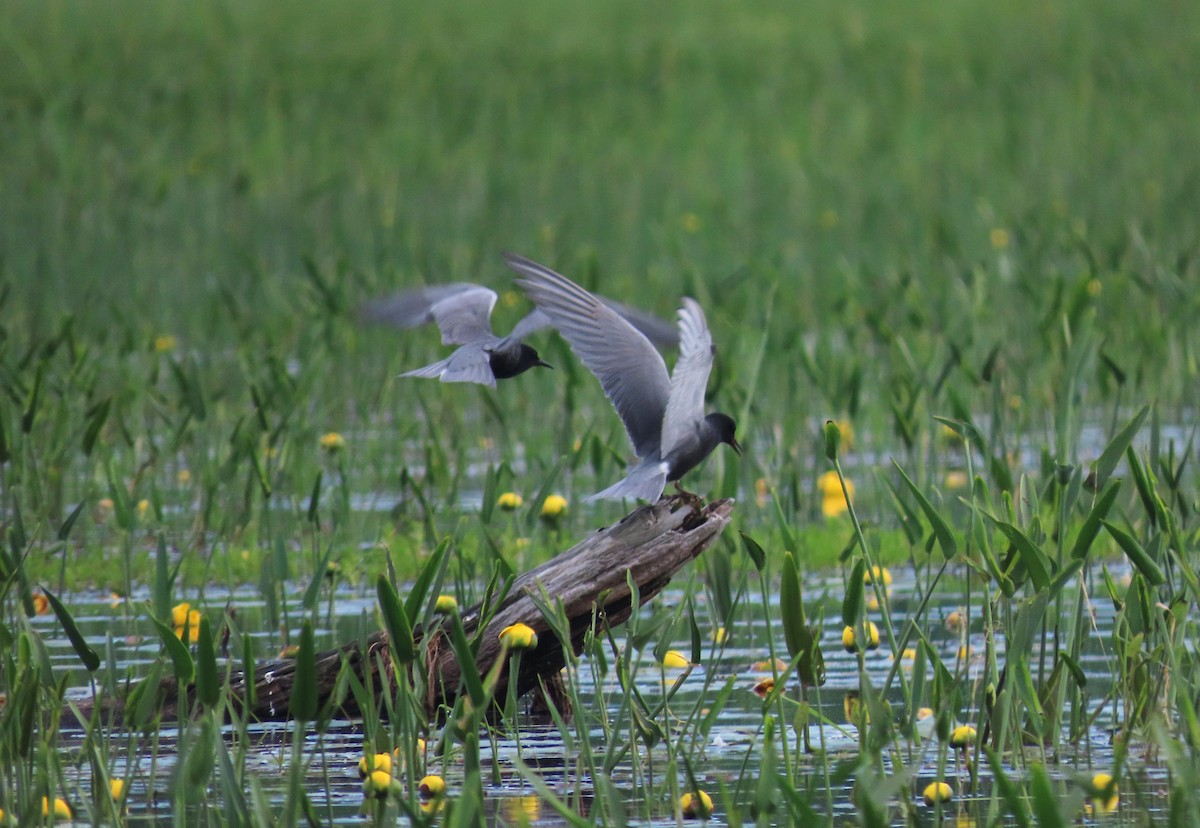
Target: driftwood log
589, 580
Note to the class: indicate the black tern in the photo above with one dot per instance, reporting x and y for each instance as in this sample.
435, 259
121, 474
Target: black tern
462, 312
663, 414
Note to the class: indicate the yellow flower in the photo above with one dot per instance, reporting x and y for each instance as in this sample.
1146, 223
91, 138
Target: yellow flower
1108, 803
164, 343
510, 501
510, 298
850, 638
675, 660
184, 477
378, 762
956, 480
142, 508
116, 787
847, 432
698, 805
332, 441
432, 787
59, 808
378, 784
41, 604
189, 631
332, 570
1094, 287
829, 219
446, 604
936, 792
964, 652
179, 613
691, 222
962, 737
518, 637
833, 500
553, 507
878, 572
720, 635
999, 238
290, 651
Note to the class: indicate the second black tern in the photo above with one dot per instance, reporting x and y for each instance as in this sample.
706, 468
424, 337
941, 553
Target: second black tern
663, 414
462, 312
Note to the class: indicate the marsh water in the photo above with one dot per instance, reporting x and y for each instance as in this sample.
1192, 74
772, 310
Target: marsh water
732, 746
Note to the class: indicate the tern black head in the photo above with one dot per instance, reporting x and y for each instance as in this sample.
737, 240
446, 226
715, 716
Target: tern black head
510, 362
724, 426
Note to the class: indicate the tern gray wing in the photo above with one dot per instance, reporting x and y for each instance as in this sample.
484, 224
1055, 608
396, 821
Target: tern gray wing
470, 363
532, 322
463, 317
631, 371
689, 380
659, 331
410, 308
461, 310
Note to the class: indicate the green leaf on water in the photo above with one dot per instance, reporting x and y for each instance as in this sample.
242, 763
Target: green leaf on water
1137, 555
791, 605
303, 704
414, 603
1091, 525
852, 604
96, 416
208, 680
314, 499
941, 530
1117, 446
64, 531
1035, 560
396, 620
91, 661
181, 656
1045, 799
755, 551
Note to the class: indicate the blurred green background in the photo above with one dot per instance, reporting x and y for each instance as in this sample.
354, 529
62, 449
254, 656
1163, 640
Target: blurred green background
979, 209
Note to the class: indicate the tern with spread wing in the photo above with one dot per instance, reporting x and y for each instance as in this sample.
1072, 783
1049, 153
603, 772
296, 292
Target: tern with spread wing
663, 414
462, 312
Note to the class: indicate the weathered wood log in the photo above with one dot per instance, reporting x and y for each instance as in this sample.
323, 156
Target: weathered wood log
589, 580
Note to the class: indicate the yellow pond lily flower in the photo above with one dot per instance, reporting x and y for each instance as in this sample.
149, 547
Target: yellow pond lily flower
698, 805
675, 660
510, 501
554, 507
1105, 804
446, 604
850, 638
59, 809
518, 637
936, 792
